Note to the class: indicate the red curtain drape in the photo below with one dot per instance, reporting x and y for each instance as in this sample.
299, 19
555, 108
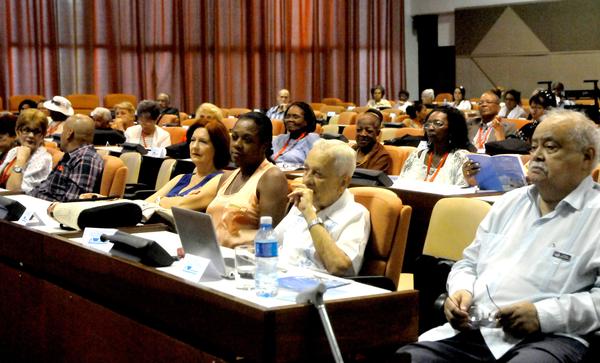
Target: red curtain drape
234, 53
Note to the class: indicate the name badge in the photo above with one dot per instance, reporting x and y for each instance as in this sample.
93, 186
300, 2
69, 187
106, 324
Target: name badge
561, 256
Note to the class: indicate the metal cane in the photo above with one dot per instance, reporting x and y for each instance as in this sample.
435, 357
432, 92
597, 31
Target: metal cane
315, 296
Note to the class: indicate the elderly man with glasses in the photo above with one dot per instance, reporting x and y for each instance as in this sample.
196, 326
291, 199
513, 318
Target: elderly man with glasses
490, 127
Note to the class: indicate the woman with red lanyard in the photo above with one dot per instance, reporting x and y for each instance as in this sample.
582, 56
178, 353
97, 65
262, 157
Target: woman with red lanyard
446, 152
292, 147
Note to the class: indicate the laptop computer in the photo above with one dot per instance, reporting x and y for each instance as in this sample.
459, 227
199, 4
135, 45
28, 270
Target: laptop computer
198, 237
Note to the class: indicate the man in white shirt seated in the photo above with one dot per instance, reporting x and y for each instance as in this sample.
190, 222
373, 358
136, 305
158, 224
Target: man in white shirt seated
277, 112
326, 230
147, 133
533, 270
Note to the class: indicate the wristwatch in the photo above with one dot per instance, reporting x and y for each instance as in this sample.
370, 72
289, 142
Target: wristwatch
314, 222
17, 169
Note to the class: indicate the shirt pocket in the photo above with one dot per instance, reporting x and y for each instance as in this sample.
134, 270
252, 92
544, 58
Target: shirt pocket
551, 270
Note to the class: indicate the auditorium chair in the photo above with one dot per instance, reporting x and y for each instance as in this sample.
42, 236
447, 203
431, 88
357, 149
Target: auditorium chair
518, 122
316, 106
347, 104
1, 104
84, 103
329, 129
360, 109
164, 175
350, 132
177, 134
237, 111
132, 161
336, 109
390, 219
15, 100
114, 176
229, 122
388, 133
399, 154
278, 127
331, 101
440, 98
183, 116
168, 120
595, 173
452, 228
111, 99
346, 118
190, 121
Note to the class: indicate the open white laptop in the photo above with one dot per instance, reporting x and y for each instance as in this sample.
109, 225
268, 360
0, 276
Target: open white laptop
198, 237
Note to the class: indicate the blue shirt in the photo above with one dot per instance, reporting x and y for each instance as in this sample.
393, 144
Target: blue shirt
296, 150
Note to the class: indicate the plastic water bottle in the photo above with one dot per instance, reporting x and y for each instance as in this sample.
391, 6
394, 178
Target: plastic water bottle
266, 246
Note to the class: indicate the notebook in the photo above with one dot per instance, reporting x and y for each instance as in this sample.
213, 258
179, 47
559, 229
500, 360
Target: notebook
198, 237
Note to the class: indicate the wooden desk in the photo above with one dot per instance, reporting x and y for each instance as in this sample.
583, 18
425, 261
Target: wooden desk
62, 301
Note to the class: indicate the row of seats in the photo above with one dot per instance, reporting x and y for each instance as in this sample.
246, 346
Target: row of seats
81, 102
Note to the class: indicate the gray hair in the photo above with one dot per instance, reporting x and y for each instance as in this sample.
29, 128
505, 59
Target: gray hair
102, 112
428, 93
584, 133
343, 155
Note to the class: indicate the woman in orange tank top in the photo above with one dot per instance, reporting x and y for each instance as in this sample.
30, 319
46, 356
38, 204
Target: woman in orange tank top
256, 188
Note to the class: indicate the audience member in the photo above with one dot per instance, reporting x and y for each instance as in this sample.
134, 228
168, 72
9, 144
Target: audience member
103, 133
459, 99
539, 104
209, 150
124, 116
164, 103
558, 89
447, 149
533, 265
403, 101
27, 103
378, 100
512, 105
417, 114
427, 97
257, 188
326, 230
147, 133
208, 111
27, 165
370, 154
59, 108
8, 136
80, 169
490, 127
293, 146
277, 112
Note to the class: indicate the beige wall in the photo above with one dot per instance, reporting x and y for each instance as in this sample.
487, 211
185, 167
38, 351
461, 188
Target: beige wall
517, 46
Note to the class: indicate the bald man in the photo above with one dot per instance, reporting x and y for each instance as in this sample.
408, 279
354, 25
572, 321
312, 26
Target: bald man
80, 169
283, 99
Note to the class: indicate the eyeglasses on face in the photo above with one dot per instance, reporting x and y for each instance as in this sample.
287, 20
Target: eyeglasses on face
434, 123
26, 130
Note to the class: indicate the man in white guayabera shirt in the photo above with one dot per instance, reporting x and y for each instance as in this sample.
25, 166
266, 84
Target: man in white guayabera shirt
533, 268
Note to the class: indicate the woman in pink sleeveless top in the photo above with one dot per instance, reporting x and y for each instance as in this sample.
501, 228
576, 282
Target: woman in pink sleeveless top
256, 188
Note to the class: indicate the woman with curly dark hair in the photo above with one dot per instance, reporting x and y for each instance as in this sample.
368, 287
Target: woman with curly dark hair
447, 149
293, 146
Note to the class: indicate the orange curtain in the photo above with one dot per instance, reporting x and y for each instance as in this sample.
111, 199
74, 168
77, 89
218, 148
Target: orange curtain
234, 53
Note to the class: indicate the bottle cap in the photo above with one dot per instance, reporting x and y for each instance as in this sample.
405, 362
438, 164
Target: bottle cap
266, 220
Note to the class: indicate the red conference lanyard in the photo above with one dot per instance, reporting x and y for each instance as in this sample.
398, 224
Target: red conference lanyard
286, 145
440, 165
482, 136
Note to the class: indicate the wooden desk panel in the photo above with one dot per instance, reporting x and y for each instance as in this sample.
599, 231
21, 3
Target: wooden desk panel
148, 307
